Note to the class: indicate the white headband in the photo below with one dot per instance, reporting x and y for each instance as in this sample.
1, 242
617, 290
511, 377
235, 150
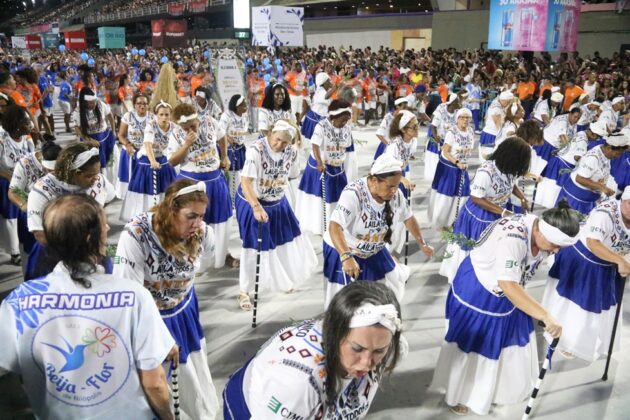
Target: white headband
451, 98
321, 78
463, 112
49, 164
185, 118
369, 314
282, 125
339, 112
406, 117
385, 163
162, 104
3, 96
626, 193
597, 104
617, 140
617, 100
201, 94
199, 186
555, 235
83, 157
599, 128
557, 97
90, 98
506, 95
240, 100
402, 100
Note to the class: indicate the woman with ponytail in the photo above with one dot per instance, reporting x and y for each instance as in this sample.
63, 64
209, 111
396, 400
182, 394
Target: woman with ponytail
362, 225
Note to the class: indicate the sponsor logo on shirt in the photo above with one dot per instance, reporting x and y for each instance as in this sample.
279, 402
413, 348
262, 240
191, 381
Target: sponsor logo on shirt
276, 406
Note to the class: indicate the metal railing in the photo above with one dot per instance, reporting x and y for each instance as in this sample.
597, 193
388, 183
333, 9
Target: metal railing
138, 12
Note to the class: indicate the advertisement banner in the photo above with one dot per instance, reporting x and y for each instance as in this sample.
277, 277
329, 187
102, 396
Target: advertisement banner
198, 6
175, 33
111, 37
18, 41
50, 40
176, 9
278, 26
517, 25
157, 33
33, 42
75, 40
229, 76
562, 25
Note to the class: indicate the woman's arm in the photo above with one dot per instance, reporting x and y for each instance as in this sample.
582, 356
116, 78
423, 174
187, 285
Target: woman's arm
348, 263
247, 185
594, 186
489, 206
605, 253
122, 138
526, 303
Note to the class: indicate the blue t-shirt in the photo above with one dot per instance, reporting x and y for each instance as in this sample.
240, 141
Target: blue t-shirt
64, 90
43, 83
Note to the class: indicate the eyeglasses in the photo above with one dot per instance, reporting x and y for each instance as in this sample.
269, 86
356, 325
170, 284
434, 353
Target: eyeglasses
142, 103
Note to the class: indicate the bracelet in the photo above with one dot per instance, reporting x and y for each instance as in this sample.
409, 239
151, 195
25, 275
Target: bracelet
345, 256
256, 205
503, 212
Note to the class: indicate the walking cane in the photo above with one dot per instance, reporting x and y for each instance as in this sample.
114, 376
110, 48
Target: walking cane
460, 190
531, 210
407, 230
155, 193
175, 390
258, 252
614, 330
541, 375
323, 180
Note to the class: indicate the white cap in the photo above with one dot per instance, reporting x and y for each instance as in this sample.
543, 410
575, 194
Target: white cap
463, 112
582, 96
597, 104
385, 163
555, 89
402, 100
599, 128
626, 193
617, 140
451, 98
506, 95
618, 99
321, 78
557, 97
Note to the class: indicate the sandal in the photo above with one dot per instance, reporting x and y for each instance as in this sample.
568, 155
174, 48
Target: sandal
232, 262
567, 355
459, 409
244, 302
16, 259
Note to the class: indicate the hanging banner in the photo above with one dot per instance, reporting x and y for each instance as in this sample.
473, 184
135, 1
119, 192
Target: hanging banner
111, 37
198, 6
157, 33
176, 9
18, 42
278, 26
33, 42
175, 33
50, 40
75, 40
562, 25
229, 76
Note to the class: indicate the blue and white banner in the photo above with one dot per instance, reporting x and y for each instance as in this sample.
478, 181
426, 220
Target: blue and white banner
278, 26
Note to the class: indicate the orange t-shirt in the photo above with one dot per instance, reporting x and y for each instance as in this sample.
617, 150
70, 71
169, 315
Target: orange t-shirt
546, 86
335, 79
525, 89
183, 85
142, 86
125, 93
443, 91
570, 94
257, 88
297, 83
404, 90
16, 96
195, 82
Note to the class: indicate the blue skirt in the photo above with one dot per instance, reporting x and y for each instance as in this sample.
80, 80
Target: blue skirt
124, 169
350, 148
448, 178
106, 140
219, 208
372, 268
282, 227
621, 171
8, 210
580, 199
553, 168
472, 221
234, 403
432, 146
487, 333
182, 320
545, 151
595, 143
585, 279
581, 127
311, 182
311, 119
487, 139
379, 150
41, 263
236, 154
142, 176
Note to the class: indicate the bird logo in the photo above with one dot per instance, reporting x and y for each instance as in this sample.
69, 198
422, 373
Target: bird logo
74, 355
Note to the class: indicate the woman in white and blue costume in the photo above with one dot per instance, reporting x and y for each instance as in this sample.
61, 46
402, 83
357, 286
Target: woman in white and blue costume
382, 133
331, 138
152, 173
490, 191
361, 226
558, 133
451, 185
234, 124
287, 257
586, 280
131, 137
495, 116
91, 120
591, 177
560, 166
193, 147
326, 368
276, 106
489, 352
443, 120
164, 249
319, 106
77, 170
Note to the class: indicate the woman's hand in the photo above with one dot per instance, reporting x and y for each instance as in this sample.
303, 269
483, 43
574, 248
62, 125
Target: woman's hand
260, 214
607, 190
551, 326
427, 250
321, 167
191, 137
225, 163
409, 186
351, 268
624, 268
130, 149
524, 204
462, 166
173, 356
155, 164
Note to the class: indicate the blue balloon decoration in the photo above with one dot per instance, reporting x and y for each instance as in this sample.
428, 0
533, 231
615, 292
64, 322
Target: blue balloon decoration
91, 62
134, 51
62, 48
279, 68
206, 54
180, 63
164, 59
267, 66
249, 62
142, 52
267, 78
84, 56
278, 61
266, 61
